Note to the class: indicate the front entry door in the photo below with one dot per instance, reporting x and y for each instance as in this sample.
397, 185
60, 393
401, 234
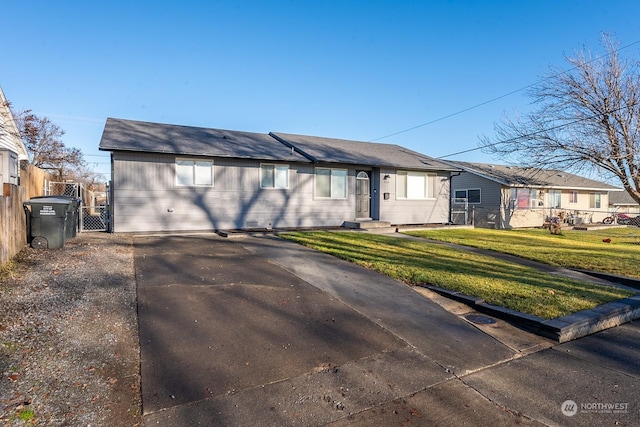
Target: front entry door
363, 195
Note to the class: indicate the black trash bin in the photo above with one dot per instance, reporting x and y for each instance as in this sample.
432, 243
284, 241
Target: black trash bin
73, 218
48, 219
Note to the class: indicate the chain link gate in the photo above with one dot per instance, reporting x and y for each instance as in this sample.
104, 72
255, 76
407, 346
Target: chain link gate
93, 213
94, 218
460, 211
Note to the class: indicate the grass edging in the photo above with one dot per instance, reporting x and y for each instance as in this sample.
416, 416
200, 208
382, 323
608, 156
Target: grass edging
561, 329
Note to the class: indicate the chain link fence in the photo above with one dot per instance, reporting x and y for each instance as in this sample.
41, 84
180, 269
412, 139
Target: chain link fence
94, 210
94, 218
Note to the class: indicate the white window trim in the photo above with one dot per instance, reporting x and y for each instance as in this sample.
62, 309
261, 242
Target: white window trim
430, 179
573, 193
551, 196
195, 161
331, 197
275, 166
466, 190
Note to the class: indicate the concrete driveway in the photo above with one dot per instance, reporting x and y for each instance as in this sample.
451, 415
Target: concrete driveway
261, 331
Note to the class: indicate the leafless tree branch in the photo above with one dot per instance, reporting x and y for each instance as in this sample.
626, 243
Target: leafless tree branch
588, 117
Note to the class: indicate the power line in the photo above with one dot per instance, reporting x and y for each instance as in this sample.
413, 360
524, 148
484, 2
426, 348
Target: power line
532, 134
493, 99
453, 114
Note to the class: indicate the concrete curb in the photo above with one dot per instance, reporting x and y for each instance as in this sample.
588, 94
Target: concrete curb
613, 278
561, 329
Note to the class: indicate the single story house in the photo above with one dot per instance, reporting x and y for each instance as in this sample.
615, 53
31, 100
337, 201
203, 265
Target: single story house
500, 196
622, 202
178, 178
12, 149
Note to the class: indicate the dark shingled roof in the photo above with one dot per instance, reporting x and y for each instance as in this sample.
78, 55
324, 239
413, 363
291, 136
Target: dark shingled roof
329, 150
129, 135
514, 176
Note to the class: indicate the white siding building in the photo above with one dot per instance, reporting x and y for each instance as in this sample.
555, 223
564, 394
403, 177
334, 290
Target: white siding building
12, 149
500, 196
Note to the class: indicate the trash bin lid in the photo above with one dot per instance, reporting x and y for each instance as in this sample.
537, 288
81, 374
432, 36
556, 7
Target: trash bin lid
49, 200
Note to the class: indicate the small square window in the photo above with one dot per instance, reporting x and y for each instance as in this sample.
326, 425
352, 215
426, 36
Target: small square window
573, 197
274, 176
331, 183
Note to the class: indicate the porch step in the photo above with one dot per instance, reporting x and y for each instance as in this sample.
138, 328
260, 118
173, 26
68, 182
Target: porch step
366, 224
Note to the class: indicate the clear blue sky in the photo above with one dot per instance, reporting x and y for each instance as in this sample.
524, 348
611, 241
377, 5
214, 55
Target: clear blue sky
356, 70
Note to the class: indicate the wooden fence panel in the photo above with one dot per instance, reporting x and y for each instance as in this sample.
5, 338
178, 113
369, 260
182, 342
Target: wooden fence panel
34, 180
13, 231
13, 224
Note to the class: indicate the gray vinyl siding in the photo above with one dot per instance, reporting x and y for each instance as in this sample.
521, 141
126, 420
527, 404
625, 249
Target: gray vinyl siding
146, 198
490, 191
402, 211
487, 213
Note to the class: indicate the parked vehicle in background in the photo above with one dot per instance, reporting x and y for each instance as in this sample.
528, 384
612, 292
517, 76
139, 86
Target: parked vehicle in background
622, 219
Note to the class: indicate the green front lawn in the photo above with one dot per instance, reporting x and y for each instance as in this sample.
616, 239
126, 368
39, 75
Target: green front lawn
497, 282
573, 249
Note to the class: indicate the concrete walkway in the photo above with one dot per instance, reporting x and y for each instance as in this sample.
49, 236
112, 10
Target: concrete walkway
262, 331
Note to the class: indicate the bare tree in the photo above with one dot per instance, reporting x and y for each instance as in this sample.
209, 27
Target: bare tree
587, 117
42, 139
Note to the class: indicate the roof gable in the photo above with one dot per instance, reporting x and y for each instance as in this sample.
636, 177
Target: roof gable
513, 176
129, 135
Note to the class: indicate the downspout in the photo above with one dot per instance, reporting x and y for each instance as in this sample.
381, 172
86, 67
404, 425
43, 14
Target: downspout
451, 194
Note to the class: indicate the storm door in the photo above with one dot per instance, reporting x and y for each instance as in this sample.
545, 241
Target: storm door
363, 195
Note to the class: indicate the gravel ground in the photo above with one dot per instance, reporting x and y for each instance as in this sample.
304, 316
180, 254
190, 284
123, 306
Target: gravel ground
69, 350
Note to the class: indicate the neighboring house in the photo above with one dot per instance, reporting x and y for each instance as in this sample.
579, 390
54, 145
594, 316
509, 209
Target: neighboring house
622, 202
173, 178
499, 196
12, 149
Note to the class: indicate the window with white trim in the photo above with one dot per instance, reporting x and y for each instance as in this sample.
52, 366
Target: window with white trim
555, 198
274, 176
573, 197
194, 173
331, 183
14, 165
472, 195
415, 185
595, 200
524, 198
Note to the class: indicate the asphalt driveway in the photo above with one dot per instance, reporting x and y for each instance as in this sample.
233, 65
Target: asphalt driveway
261, 331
